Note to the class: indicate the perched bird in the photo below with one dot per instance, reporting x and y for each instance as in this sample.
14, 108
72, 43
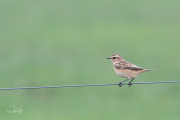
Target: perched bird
126, 69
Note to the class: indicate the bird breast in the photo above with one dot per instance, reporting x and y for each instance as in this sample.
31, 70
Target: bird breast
126, 73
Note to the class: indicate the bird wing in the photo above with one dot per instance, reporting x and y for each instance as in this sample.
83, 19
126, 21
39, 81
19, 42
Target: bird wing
127, 65
133, 68
118, 66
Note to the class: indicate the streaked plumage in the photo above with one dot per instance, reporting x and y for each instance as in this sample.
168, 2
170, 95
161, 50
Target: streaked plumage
126, 69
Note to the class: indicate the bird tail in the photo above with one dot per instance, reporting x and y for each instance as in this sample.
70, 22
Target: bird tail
148, 69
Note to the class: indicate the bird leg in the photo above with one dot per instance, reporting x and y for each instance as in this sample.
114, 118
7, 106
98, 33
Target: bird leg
120, 84
130, 82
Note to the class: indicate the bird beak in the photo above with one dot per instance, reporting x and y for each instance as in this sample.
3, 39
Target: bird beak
108, 58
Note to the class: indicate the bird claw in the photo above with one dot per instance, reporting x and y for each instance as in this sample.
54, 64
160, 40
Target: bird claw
120, 84
130, 84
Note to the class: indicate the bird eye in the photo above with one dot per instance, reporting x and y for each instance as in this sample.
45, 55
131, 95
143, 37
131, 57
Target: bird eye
113, 57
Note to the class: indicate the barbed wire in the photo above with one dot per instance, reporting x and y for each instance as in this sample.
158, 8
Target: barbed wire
86, 85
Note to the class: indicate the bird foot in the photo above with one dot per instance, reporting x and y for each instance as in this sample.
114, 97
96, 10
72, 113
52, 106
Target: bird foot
120, 84
130, 84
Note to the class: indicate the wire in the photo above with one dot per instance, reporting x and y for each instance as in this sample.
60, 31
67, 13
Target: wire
86, 85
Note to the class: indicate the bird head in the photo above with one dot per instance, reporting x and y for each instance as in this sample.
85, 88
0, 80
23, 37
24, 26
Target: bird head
115, 58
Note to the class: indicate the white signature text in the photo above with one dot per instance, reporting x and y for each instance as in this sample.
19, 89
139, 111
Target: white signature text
16, 110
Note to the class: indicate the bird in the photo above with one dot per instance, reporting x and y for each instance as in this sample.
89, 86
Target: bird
126, 69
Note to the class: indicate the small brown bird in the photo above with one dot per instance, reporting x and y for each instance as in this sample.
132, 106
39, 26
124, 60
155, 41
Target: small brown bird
126, 69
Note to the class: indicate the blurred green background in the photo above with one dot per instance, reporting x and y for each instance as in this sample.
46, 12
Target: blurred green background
66, 42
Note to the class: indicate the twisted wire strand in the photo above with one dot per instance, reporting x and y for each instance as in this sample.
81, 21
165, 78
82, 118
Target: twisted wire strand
86, 85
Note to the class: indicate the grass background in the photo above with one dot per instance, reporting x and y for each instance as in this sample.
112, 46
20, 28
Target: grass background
66, 42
